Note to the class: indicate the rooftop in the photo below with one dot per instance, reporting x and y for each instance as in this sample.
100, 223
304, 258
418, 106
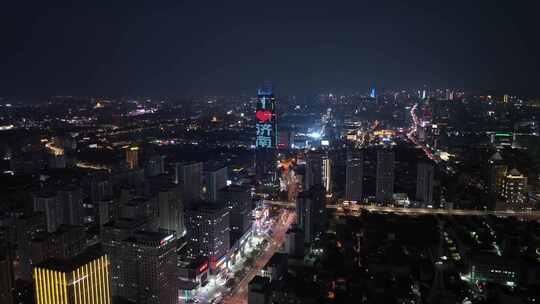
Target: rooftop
151, 236
126, 223
71, 264
496, 157
259, 283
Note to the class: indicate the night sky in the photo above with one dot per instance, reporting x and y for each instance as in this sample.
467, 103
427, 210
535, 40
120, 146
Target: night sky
179, 48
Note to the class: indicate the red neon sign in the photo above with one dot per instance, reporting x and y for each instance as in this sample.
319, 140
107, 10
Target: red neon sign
263, 116
203, 267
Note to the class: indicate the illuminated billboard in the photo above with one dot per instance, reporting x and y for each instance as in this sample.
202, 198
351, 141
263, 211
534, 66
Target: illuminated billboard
266, 125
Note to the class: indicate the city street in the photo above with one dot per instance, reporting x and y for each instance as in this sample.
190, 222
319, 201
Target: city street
412, 138
216, 291
355, 210
240, 292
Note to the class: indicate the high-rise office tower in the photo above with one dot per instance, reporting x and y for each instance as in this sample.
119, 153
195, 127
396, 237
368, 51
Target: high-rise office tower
215, 179
70, 198
6, 276
311, 212
82, 279
327, 173
266, 137
106, 211
208, 232
112, 236
48, 203
354, 175
514, 191
27, 228
100, 185
62, 207
424, 182
314, 169
385, 175
138, 207
149, 268
497, 171
132, 157
65, 243
238, 200
191, 178
177, 167
171, 209
155, 165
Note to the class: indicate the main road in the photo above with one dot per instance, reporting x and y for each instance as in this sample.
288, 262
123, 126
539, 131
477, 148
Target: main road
355, 210
412, 133
239, 295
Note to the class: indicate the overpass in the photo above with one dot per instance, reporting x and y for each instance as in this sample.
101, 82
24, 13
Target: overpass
355, 210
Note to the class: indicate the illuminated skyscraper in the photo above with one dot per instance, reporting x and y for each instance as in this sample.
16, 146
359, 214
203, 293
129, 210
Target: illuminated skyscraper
514, 190
149, 268
266, 132
208, 233
497, 170
354, 175
385, 175
238, 200
132, 157
112, 236
327, 173
82, 279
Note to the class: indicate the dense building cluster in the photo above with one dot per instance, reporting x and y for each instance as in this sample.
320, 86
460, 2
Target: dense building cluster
422, 196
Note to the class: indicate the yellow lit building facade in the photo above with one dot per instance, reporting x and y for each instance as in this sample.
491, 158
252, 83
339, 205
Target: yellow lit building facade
82, 280
132, 157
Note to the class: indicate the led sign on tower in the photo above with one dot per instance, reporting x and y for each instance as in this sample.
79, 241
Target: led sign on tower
266, 136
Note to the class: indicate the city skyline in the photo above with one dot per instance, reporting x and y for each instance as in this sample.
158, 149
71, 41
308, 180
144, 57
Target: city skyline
185, 152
